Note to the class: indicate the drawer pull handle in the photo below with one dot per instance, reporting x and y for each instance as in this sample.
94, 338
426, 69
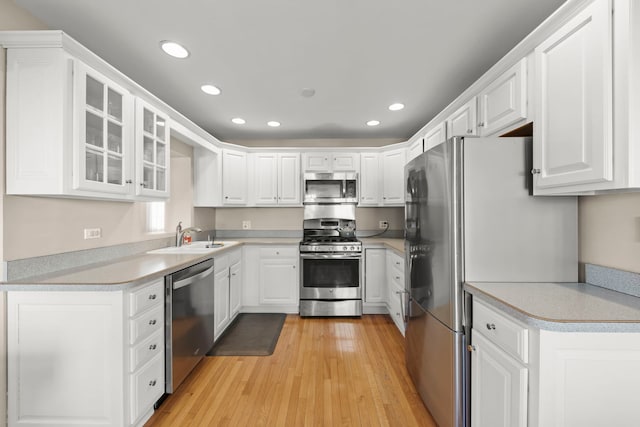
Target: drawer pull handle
152, 296
153, 347
491, 326
152, 321
152, 383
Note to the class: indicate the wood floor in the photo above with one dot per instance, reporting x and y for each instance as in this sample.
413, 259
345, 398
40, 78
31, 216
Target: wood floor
324, 372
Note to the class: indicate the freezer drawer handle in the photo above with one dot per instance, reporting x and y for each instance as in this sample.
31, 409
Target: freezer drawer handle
491, 326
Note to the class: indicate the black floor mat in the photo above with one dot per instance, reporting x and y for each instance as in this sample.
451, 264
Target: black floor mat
251, 334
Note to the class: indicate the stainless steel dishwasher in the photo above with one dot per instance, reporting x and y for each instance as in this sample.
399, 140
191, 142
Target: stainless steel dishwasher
189, 320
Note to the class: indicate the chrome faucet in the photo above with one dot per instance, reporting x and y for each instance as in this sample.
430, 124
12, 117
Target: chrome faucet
180, 232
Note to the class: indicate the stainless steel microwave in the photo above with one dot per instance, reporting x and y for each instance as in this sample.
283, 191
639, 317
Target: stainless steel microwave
330, 188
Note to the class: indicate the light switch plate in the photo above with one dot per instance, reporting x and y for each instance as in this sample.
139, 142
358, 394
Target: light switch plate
92, 233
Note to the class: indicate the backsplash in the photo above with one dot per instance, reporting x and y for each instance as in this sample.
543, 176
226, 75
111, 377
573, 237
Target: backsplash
610, 278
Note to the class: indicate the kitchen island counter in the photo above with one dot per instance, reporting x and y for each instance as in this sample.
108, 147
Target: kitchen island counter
562, 307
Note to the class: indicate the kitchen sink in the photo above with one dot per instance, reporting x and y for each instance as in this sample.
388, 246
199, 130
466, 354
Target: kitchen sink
193, 248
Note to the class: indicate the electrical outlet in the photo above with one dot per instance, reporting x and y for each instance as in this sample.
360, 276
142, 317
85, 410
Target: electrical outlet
246, 225
383, 224
92, 233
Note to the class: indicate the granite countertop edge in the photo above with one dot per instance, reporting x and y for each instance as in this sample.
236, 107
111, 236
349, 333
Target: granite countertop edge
556, 325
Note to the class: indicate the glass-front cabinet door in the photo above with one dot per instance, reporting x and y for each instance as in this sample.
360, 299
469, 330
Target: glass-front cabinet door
103, 151
152, 151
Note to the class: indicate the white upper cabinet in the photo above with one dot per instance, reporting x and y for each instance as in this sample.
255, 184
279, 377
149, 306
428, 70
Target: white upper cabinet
370, 180
152, 151
573, 128
102, 120
415, 149
277, 179
393, 162
330, 162
504, 102
463, 122
82, 145
437, 135
234, 177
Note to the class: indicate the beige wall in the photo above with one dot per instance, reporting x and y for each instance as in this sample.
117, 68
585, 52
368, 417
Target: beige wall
609, 230
291, 218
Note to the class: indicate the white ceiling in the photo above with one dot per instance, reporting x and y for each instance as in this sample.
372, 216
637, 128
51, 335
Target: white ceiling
359, 56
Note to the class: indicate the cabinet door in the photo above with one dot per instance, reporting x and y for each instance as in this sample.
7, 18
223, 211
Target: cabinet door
345, 162
393, 177
498, 387
103, 118
370, 180
435, 136
152, 151
266, 179
289, 179
464, 121
375, 275
234, 177
415, 149
504, 101
573, 127
235, 288
278, 281
221, 301
316, 162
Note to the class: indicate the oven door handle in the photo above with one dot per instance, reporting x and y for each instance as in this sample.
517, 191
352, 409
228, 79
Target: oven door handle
329, 256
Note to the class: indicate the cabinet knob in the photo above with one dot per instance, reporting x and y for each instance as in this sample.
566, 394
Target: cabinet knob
397, 277
481, 124
226, 197
153, 347
152, 383
152, 321
535, 171
469, 131
294, 267
471, 347
129, 181
491, 326
152, 296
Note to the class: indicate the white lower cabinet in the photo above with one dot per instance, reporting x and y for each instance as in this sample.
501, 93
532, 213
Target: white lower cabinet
227, 289
85, 358
396, 296
498, 386
524, 376
375, 288
271, 278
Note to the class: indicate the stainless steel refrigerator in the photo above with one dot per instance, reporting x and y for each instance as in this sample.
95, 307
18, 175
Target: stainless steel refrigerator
469, 216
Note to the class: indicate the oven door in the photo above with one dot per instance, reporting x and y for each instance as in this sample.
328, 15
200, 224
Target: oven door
330, 276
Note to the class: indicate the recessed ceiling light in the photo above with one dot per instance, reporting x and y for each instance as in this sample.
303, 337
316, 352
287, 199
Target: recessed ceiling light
273, 124
210, 89
373, 123
174, 49
238, 121
395, 107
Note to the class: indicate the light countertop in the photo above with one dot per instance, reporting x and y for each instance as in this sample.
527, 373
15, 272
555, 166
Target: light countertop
570, 307
132, 270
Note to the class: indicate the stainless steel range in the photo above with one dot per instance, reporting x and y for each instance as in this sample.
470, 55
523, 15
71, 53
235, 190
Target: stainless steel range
331, 262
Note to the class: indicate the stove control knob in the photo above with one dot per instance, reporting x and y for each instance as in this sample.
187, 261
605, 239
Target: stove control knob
352, 248
344, 248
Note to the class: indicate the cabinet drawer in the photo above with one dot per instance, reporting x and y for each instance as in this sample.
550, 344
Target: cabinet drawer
146, 350
146, 297
506, 333
278, 252
147, 385
146, 324
396, 306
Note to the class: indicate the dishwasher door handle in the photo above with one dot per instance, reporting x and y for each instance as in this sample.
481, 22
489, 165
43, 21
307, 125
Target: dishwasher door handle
189, 280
